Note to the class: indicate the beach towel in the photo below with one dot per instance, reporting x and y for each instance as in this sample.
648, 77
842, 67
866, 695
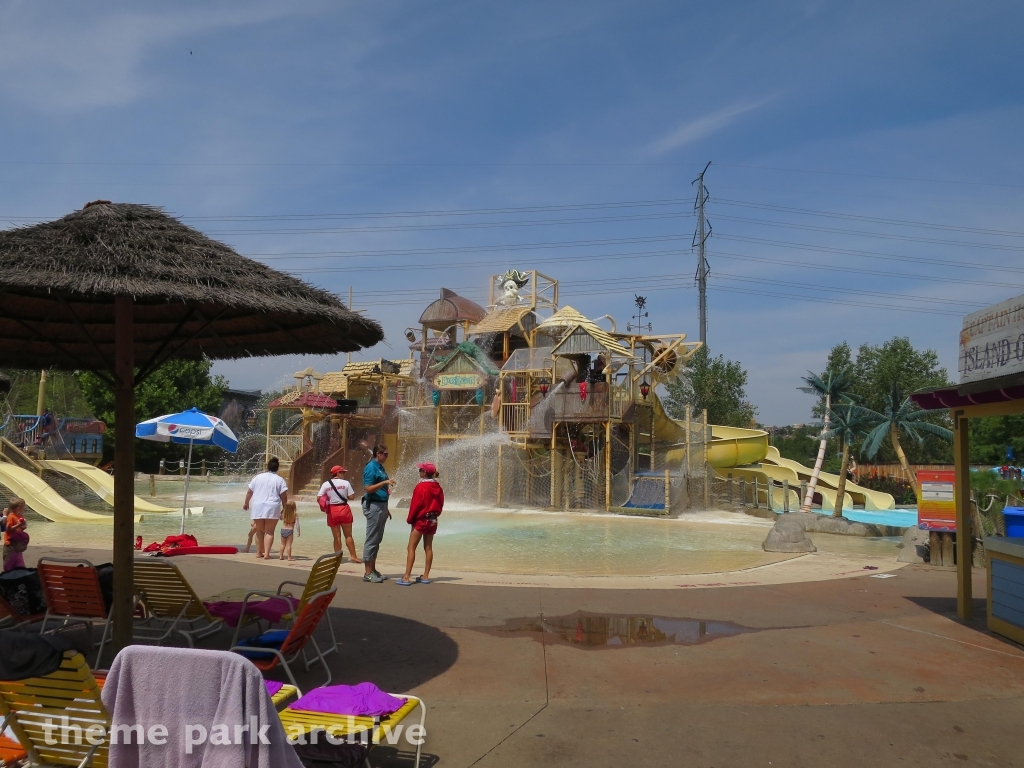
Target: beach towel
365, 699
192, 693
23, 655
271, 610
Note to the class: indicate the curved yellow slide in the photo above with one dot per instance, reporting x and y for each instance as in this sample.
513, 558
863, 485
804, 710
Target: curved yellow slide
43, 499
102, 484
746, 453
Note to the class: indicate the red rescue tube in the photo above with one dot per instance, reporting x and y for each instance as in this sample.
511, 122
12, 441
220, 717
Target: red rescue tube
201, 551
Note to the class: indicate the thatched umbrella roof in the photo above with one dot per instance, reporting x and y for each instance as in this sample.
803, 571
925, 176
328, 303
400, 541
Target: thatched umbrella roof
57, 281
120, 288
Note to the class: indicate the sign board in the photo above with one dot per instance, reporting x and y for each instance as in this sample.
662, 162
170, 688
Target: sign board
458, 381
992, 342
936, 503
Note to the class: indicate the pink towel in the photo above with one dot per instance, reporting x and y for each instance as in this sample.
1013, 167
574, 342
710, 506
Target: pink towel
269, 610
365, 699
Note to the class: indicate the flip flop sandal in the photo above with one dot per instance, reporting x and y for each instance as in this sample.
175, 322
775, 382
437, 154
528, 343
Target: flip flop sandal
404, 583
421, 580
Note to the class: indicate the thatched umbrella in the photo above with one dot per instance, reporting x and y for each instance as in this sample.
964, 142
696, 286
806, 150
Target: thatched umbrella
119, 289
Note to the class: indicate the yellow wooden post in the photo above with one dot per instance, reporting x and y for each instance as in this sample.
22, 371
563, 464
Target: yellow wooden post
962, 464
437, 435
707, 469
668, 492
554, 476
608, 463
498, 502
480, 461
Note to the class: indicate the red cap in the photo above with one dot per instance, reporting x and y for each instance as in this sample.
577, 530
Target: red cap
427, 467
337, 468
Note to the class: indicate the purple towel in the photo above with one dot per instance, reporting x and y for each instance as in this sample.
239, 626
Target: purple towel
273, 686
271, 609
365, 699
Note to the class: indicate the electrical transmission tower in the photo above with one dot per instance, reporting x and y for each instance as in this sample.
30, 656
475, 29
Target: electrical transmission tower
700, 238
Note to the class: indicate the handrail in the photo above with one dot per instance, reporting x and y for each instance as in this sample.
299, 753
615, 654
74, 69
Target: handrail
330, 461
303, 470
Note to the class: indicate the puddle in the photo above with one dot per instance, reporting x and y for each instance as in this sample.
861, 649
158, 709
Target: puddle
588, 630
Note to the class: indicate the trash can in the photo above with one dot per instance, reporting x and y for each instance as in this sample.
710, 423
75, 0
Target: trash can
1014, 517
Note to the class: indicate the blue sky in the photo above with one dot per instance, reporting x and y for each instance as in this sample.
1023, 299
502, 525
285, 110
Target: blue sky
866, 176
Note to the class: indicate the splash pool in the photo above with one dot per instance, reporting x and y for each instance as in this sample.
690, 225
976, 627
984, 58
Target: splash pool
484, 540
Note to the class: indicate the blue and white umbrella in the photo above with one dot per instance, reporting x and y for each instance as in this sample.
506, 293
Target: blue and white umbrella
192, 427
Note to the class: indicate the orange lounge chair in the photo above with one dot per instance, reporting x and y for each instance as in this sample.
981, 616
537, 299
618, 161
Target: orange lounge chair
321, 578
281, 647
72, 592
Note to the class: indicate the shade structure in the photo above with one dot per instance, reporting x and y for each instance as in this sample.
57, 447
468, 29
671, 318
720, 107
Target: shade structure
119, 288
191, 428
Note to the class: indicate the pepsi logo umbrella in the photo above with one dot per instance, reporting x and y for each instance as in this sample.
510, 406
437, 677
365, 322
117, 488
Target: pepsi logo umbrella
191, 427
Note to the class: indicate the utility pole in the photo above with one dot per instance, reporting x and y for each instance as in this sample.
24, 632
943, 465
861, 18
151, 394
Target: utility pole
700, 237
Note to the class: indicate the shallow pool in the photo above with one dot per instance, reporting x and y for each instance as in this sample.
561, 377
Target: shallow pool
487, 540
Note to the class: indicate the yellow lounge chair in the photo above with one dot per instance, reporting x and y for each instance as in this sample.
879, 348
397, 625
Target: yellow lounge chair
29, 706
171, 605
360, 729
321, 579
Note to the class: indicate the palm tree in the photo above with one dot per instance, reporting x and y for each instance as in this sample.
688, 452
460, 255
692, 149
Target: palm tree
833, 385
901, 414
849, 423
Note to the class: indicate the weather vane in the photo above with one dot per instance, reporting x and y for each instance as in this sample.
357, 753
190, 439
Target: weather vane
641, 304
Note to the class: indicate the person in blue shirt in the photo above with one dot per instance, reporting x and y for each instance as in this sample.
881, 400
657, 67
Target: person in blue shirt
377, 489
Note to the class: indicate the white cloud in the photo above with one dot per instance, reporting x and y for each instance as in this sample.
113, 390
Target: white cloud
704, 126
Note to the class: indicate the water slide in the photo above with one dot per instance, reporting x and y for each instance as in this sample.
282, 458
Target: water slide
43, 499
102, 484
746, 453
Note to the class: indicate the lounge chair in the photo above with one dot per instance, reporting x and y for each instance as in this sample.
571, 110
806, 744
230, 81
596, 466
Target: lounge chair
69, 692
321, 578
358, 728
72, 592
283, 646
170, 604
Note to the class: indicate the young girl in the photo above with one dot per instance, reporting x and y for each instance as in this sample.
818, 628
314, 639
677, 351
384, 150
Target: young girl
15, 559
289, 528
14, 521
424, 508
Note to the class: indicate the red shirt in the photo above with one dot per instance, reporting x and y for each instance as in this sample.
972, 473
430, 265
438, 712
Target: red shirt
427, 499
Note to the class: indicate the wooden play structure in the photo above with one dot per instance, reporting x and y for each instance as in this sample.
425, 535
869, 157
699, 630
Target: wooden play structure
540, 406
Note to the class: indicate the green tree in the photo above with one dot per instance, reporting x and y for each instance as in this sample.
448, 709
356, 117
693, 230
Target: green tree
177, 385
849, 423
63, 395
714, 383
901, 414
989, 438
876, 369
833, 385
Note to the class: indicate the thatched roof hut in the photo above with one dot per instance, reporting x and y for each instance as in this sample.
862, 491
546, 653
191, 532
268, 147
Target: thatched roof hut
58, 279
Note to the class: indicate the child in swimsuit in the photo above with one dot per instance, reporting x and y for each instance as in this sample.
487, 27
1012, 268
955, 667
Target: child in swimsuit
289, 528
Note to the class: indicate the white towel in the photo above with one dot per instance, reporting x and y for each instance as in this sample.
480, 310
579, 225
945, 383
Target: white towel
193, 693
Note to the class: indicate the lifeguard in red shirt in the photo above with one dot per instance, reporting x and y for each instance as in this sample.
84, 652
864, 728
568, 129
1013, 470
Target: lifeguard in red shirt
425, 507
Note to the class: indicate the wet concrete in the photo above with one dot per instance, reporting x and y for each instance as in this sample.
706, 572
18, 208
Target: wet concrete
595, 631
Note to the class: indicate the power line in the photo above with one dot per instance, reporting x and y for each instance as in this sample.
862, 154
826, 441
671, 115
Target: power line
870, 175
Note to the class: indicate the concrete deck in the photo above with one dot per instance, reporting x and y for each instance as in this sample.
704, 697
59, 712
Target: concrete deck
843, 670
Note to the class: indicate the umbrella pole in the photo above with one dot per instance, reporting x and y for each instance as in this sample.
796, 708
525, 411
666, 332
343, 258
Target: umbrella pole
124, 471
184, 501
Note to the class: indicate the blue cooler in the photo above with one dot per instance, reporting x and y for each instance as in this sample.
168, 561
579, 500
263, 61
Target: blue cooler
1014, 521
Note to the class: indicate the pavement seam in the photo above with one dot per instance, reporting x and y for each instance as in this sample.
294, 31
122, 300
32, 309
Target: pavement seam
547, 695
1016, 656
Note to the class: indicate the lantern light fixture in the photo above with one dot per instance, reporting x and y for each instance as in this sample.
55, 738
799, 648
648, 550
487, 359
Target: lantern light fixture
645, 388
543, 386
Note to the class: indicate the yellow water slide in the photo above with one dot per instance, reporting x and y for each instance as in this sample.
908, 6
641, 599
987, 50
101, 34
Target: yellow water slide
746, 453
102, 484
43, 499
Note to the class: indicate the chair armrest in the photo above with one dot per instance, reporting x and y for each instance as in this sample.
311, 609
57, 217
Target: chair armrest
267, 595
293, 583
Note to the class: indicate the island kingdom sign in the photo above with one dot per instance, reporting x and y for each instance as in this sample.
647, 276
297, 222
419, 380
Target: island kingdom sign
992, 342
